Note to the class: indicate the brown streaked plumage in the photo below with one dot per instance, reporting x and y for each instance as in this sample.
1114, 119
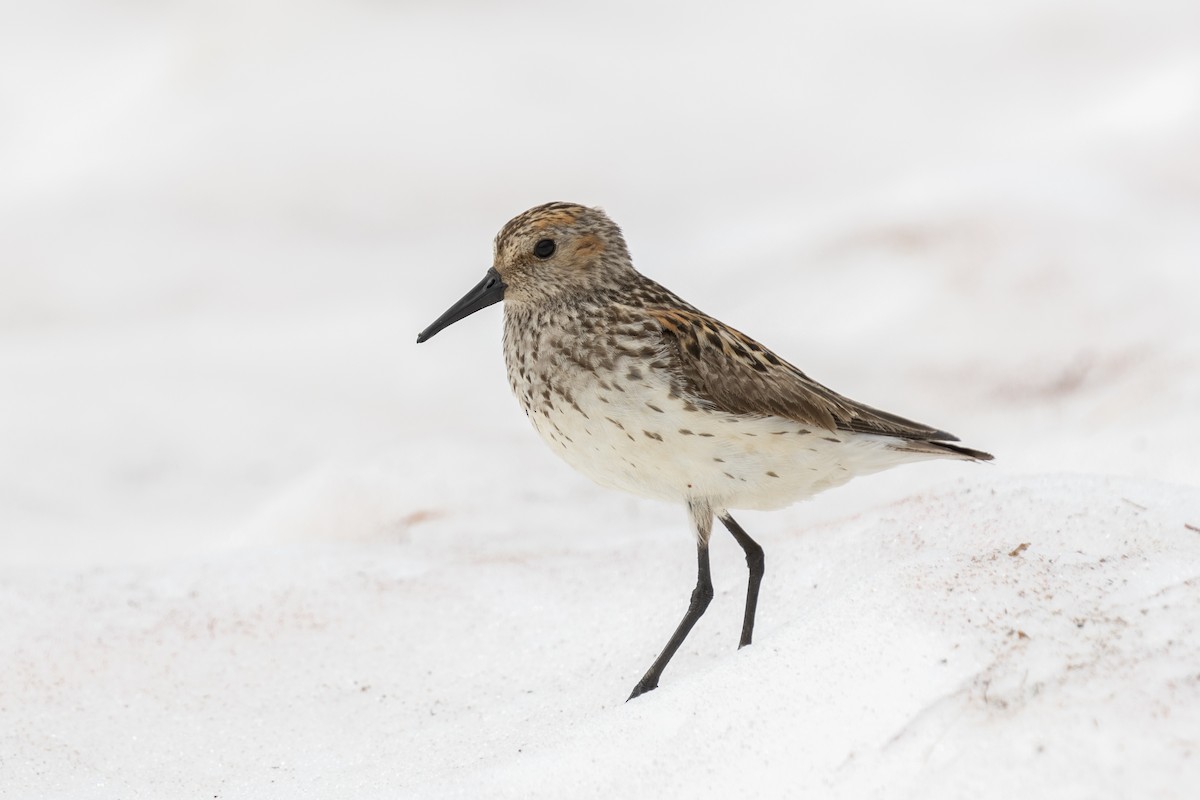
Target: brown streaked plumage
643, 392
730, 371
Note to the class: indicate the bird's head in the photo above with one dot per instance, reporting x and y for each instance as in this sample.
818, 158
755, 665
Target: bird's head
554, 252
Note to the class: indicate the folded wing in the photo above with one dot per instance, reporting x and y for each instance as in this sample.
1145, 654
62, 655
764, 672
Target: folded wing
724, 369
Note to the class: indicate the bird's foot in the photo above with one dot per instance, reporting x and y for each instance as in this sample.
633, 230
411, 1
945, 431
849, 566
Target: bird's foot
643, 686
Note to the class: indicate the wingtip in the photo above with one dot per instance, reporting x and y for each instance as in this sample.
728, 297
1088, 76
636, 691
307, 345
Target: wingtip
977, 455
940, 448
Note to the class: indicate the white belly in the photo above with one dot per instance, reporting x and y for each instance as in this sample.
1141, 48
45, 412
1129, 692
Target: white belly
643, 441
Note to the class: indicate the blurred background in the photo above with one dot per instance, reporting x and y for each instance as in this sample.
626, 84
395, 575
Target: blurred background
222, 224
255, 542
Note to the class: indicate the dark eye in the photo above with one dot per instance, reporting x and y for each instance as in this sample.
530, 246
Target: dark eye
544, 248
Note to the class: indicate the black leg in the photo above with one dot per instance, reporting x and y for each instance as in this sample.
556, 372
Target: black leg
756, 563
701, 596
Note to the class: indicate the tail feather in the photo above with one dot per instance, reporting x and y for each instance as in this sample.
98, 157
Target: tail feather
941, 449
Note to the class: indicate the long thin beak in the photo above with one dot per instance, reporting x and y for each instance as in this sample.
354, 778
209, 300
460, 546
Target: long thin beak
489, 291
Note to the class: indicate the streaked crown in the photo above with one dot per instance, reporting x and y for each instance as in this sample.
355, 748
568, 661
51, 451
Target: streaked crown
559, 250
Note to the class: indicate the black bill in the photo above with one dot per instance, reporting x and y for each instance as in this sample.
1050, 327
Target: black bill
489, 291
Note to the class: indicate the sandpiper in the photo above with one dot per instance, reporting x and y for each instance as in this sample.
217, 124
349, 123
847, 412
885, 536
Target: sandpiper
641, 391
